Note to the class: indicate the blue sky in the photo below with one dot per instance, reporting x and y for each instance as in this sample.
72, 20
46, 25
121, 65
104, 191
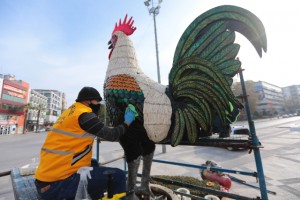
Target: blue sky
62, 44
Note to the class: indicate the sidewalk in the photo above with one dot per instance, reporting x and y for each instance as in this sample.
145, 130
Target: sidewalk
280, 157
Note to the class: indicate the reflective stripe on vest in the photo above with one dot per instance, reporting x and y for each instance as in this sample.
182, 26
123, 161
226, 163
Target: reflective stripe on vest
85, 135
75, 158
81, 155
57, 152
78, 156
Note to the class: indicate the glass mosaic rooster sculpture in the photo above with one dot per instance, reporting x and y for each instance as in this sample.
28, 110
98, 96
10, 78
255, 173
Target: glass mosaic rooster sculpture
198, 93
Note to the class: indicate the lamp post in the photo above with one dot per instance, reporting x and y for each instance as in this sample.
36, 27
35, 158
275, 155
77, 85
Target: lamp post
154, 10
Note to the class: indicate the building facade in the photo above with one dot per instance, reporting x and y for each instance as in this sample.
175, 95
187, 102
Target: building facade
292, 97
64, 102
54, 104
13, 103
270, 98
36, 114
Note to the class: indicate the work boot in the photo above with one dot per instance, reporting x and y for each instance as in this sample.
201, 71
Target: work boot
144, 189
133, 168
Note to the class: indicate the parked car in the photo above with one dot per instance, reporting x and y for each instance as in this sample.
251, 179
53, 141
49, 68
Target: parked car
238, 130
41, 130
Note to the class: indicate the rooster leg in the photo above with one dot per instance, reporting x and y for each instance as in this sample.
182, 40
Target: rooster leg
144, 189
133, 167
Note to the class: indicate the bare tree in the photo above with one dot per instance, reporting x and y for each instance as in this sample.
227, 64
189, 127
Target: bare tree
251, 94
26, 107
39, 108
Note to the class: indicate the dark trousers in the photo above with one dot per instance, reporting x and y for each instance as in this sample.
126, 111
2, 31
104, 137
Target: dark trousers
97, 185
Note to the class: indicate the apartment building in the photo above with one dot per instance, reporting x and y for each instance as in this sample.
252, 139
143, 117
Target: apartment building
55, 101
36, 114
270, 100
292, 97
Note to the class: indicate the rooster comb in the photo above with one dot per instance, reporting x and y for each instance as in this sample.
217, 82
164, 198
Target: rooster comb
125, 26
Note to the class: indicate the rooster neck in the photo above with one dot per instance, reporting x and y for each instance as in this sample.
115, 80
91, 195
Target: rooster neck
123, 59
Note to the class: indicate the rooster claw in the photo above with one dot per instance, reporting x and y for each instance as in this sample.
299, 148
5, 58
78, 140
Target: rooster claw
146, 193
161, 197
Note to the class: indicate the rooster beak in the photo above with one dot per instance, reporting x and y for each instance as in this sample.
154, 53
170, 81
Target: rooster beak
110, 44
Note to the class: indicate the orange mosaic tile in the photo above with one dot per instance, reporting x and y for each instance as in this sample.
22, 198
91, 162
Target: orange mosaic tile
122, 82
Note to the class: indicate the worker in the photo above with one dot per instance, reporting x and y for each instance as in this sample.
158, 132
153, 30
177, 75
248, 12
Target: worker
68, 148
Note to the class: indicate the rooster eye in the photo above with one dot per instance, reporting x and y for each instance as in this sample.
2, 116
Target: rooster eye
114, 37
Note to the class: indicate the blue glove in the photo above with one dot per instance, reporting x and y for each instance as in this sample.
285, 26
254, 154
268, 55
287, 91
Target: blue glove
129, 116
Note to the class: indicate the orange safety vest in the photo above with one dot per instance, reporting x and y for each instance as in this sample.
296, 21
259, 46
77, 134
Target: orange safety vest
67, 146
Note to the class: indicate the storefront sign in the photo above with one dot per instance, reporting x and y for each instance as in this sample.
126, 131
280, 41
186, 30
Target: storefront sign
14, 89
15, 94
6, 122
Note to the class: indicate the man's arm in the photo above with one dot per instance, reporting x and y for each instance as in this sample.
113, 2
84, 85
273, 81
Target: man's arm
91, 124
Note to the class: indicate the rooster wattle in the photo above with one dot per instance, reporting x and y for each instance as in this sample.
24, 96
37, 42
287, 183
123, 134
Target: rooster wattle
198, 94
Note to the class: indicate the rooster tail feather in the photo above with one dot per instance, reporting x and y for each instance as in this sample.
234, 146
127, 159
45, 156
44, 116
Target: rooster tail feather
191, 126
203, 67
212, 24
179, 127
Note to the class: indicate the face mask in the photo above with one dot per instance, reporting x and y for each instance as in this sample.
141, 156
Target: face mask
95, 108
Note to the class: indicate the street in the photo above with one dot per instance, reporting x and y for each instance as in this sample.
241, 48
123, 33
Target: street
280, 157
